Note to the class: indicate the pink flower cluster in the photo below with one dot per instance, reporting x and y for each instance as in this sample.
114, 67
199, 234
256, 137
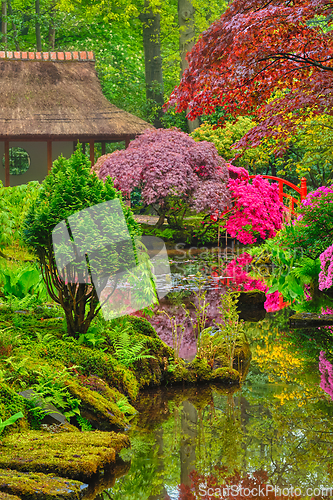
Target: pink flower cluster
327, 311
256, 209
313, 196
326, 273
242, 281
326, 370
237, 172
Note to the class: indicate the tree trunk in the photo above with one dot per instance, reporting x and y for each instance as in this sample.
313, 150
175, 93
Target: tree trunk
15, 33
4, 23
37, 27
153, 60
186, 42
51, 36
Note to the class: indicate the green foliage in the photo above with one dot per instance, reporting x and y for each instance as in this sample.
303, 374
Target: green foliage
51, 388
84, 424
70, 188
124, 406
92, 339
23, 287
230, 327
256, 160
14, 204
311, 233
128, 350
310, 152
11, 420
286, 269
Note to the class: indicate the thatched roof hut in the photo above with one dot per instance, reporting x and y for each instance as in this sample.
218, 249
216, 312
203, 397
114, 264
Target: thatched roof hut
55, 97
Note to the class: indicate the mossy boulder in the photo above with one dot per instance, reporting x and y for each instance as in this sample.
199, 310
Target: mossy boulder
216, 350
93, 362
100, 410
38, 486
310, 320
204, 372
142, 326
201, 371
7, 496
152, 371
251, 298
76, 455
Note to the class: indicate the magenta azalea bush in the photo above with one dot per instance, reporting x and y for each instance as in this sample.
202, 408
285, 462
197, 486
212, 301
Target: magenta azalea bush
312, 231
256, 211
313, 196
174, 172
326, 265
237, 172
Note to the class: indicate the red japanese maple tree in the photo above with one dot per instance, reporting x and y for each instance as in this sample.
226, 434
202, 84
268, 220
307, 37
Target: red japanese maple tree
268, 58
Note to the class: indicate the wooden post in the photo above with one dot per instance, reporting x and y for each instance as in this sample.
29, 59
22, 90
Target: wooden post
92, 152
127, 141
103, 148
84, 148
49, 156
281, 191
7, 183
303, 188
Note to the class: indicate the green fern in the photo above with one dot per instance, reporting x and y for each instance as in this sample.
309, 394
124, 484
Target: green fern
127, 349
307, 270
124, 406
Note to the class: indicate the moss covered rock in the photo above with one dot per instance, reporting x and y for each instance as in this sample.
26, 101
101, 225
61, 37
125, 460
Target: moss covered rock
152, 371
7, 496
251, 297
77, 455
93, 362
100, 409
142, 326
217, 351
37, 486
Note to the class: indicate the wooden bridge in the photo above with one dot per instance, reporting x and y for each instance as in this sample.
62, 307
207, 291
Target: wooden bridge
302, 191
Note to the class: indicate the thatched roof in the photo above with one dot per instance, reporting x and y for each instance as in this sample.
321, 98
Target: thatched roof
58, 96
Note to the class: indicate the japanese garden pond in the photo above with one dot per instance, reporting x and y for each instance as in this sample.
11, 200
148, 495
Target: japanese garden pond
271, 434
270, 437
275, 431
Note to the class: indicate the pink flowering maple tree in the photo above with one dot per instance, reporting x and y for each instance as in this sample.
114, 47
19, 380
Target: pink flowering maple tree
175, 174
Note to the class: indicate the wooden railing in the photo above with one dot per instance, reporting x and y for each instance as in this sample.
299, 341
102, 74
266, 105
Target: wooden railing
302, 191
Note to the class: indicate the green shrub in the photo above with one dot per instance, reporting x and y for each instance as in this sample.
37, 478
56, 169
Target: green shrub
70, 188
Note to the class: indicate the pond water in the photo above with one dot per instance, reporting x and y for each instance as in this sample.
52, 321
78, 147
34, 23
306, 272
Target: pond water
270, 438
275, 431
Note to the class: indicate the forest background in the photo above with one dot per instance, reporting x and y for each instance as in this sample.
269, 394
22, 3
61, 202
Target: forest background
140, 48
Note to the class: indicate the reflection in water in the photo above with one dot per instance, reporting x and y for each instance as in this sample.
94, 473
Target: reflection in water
326, 370
275, 430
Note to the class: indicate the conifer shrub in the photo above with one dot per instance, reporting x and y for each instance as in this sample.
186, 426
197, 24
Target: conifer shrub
70, 188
